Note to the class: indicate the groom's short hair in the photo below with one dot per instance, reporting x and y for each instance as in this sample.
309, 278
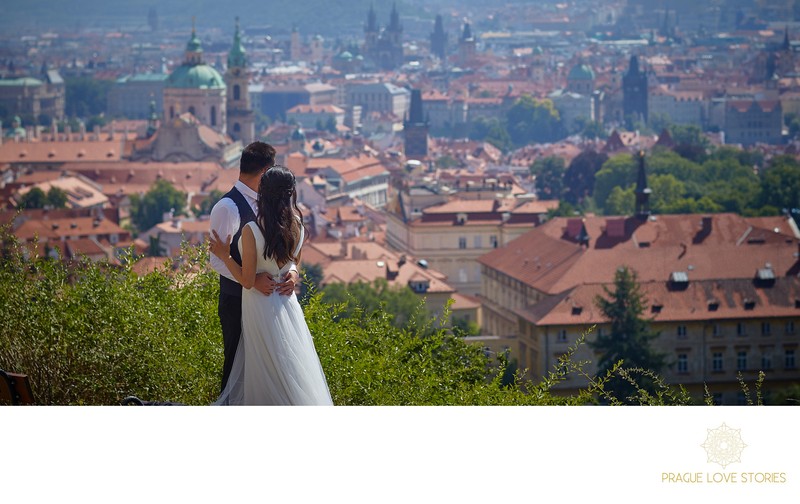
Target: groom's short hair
257, 156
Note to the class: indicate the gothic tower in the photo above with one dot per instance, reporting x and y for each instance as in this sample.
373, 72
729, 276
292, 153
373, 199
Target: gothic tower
371, 33
415, 129
634, 92
241, 119
439, 39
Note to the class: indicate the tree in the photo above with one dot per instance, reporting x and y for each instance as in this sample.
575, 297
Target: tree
579, 177
531, 120
620, 202
490, 130
207, 204
35, 198
618, 171
402, 305
56, 198
85, 96
629, 339
780, 184
549, 173
311, 279
149, 210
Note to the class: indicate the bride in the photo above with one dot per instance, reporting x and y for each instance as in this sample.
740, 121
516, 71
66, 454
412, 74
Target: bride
276, 362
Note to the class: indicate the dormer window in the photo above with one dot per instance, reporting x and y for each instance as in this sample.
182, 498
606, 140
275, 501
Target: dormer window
461, 219
419, 286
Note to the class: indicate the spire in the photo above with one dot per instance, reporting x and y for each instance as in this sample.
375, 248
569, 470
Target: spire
415, 115
786, 45
394, 19
236, 56
467, 34
642, 191
372, 22
633, 68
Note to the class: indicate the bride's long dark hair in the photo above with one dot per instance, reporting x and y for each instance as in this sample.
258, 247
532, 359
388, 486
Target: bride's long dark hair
278, 215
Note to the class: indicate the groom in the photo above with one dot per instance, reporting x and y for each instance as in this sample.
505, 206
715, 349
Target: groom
231, 213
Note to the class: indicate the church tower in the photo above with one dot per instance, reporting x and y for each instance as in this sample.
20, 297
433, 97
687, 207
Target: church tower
634, 92
439, 39
241, 119
371, 33
394, 33
466, 44
415, 129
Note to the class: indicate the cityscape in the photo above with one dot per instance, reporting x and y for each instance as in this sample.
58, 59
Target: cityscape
508, 164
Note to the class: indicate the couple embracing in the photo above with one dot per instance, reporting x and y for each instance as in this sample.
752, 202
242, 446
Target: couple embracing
256, 240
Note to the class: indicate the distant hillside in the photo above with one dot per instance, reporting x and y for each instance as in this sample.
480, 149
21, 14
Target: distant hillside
327, 17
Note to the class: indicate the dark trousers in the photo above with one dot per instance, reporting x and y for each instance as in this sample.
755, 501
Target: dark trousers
230, 318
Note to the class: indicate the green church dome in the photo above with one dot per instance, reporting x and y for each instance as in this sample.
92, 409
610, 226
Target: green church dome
195, 77
581, 72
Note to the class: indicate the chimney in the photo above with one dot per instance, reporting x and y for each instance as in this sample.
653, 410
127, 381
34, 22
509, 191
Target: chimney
111, 132
54, 130
343, 249
96, 131
1, 132
83, 131
67, 132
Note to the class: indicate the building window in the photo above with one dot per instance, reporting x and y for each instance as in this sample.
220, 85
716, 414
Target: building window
765, 328
462, 242
236, 92
790, 327
741, 360
478, 241
191, 111
493, 241
717, 330
766, 361
683, 363
682, 331
172, 112
562, 335
741, 329
716, 361
213, 115
789, 362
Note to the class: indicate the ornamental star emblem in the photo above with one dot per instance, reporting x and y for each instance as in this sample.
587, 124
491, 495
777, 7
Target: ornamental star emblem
724, 445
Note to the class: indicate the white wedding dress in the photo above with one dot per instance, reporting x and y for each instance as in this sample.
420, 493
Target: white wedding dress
276, 362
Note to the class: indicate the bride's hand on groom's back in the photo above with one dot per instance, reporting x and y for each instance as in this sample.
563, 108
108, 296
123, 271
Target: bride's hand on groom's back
218, 247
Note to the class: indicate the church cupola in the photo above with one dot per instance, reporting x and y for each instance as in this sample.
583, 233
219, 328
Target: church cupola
194, 48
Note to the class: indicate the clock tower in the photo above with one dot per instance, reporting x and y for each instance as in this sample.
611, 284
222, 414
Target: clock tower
241, 120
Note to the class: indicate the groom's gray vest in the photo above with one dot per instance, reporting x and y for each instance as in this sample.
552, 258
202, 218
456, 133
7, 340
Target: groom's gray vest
226, 285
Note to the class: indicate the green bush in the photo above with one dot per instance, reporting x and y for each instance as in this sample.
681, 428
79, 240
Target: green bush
94, 333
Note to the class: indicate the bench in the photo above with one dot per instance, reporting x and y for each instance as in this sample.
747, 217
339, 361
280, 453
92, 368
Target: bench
15, 389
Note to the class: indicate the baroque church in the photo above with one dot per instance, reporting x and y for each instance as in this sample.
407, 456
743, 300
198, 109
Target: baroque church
383, 48
203, 111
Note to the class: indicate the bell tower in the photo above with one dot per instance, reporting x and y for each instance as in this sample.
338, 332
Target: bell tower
241, 119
